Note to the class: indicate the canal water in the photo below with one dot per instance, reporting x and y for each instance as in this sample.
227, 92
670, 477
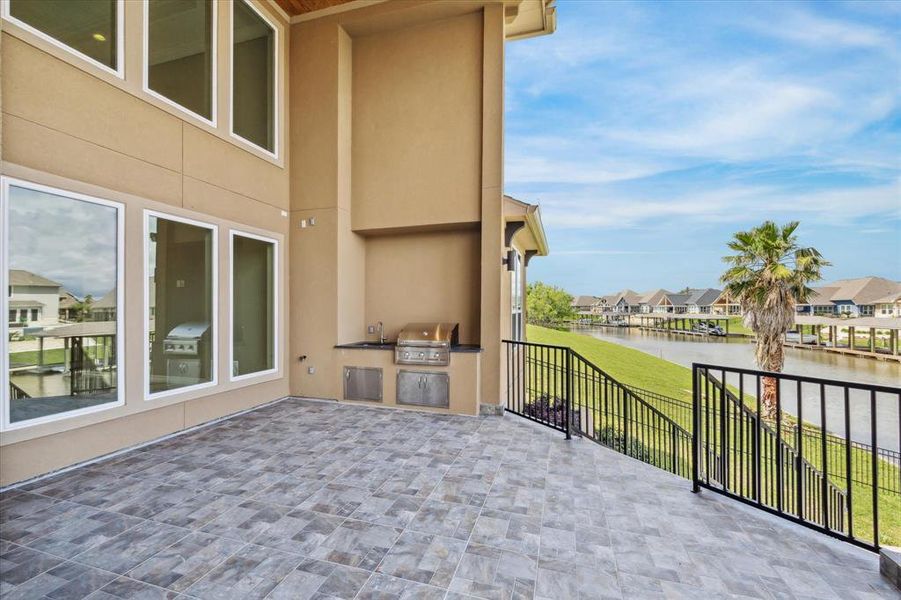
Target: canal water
739, 352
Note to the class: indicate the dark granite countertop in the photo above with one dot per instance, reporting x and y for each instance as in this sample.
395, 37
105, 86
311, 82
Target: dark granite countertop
391, 345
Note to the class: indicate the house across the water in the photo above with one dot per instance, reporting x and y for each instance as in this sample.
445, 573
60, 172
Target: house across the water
853, 298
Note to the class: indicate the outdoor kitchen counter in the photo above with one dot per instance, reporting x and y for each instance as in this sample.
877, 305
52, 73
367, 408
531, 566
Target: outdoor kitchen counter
463, 371
391, 345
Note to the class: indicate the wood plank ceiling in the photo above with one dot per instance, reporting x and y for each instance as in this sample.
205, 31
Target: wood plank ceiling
299, 7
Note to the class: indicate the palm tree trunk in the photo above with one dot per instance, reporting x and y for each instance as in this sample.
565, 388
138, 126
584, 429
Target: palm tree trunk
770, 357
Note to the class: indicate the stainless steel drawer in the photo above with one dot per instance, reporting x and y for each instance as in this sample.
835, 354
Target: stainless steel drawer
363, 383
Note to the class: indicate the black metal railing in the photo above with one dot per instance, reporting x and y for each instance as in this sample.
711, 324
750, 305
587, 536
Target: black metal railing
755, 441
558, 387
890, 460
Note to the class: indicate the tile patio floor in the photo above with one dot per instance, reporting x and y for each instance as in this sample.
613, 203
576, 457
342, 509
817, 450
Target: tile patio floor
304, 499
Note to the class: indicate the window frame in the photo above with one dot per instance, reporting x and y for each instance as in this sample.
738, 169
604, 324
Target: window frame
276, 138
233, 233
5, 422
214, 67
145, 315
119, 71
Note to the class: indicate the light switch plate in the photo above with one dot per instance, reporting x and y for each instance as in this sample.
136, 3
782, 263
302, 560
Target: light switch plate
371, 329
311, 370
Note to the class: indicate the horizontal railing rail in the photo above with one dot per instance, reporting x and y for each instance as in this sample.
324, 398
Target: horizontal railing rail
792, 466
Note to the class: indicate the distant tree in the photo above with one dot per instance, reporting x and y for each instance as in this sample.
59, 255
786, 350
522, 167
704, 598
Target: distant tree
84, 308
768, 275
547, 303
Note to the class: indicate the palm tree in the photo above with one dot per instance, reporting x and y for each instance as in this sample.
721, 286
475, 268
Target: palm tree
83, 309
768, 275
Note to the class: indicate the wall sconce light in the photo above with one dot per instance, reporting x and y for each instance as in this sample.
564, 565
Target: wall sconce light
509, 259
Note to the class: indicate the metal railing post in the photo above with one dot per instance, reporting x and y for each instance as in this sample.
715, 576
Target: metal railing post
695, 431
568, 406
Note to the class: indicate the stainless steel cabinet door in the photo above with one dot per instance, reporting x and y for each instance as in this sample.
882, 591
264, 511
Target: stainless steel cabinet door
423, 388
363, 383
436, 391
409, 387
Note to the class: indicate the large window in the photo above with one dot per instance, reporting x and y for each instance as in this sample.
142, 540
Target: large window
253, 307
179, 40
180, 308
253, 76
57, 243
90, 28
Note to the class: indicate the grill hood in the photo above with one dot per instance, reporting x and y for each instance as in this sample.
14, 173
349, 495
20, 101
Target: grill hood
434, 335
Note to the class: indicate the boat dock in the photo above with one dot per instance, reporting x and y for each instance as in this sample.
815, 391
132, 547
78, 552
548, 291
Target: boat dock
696, 325
867, 337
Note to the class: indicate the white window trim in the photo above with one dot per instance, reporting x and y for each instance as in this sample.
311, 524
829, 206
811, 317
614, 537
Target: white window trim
275, 82
231, 305
214, 321
119, 71
5, 424
145, 66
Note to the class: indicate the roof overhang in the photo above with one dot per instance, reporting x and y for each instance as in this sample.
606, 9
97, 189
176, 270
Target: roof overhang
522, 18
532, 236
529, 18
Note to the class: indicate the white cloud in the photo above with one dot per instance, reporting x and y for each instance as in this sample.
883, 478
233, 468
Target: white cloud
68, 241
804, 27
721, 205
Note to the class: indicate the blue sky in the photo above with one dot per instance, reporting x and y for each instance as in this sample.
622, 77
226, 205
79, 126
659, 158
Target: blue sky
650, 132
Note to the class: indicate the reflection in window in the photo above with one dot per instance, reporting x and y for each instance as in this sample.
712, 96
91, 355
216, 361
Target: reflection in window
516, 297
180, 289
60, 246
86, 26
180, 48
253, 76
253, 305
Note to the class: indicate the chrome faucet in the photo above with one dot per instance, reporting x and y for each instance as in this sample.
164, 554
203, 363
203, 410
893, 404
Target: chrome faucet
382, 339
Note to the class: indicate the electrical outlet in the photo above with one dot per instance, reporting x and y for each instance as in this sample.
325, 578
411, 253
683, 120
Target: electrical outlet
311, 370
371, 329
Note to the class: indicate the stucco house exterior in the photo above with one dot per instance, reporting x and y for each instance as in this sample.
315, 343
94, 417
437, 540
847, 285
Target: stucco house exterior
272, 182
33, 299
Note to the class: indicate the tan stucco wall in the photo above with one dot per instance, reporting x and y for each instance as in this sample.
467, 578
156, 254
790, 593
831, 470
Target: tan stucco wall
388, 158
394, 127
71, 126
431, 276
417, 125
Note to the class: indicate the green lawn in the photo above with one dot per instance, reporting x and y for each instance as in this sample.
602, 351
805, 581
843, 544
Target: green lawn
639, 369
736, 326
55, 356
631, 367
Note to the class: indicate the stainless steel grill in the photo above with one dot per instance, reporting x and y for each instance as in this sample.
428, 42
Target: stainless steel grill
426, 343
